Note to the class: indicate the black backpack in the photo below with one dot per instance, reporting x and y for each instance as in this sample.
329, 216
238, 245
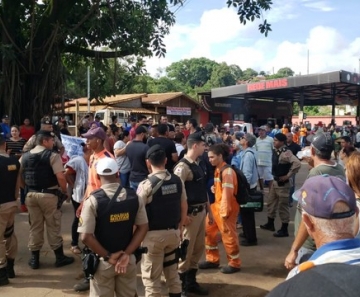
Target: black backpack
242, 195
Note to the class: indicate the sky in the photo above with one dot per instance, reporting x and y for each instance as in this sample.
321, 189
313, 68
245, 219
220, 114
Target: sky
327, 30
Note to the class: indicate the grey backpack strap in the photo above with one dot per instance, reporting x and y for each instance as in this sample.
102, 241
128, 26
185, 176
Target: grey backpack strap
156, 183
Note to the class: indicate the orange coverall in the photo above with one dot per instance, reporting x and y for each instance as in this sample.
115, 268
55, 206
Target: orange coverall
225, 210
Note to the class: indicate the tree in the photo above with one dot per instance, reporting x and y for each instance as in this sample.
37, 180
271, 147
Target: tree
249, 74
222, 76
285, 72
40, 41
39, 38
193, 72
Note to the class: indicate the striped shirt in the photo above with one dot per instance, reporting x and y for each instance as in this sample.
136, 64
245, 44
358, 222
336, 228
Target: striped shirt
345, 251
264, 148
15, 146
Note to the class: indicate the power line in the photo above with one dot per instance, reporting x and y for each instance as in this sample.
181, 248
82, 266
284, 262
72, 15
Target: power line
186, 2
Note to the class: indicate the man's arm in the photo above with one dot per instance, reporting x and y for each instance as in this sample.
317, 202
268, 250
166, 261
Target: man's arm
174, 157
300, 239
29, 144
184, 206
61, 181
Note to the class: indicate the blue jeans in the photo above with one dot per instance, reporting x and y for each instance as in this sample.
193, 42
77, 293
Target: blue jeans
134, 185
124, 179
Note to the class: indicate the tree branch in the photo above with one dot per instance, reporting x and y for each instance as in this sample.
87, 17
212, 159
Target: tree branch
92, 9
96, 54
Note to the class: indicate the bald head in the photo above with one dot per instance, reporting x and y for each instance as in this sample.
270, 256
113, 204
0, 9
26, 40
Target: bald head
289, 138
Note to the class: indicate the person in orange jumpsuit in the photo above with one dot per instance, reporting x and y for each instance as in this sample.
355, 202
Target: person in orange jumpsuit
225, 210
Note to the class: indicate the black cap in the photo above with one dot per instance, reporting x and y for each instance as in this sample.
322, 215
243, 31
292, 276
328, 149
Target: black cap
46, 121
322, 141
45, 133
280, 137
132, 119
153, 149
197, 136
5, 116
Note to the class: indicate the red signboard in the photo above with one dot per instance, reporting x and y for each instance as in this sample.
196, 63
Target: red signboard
267, 85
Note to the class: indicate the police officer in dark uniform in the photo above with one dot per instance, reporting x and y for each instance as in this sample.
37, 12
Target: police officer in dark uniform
106, 226
166, 207
193, 174
9, 177
284, 166
43, 174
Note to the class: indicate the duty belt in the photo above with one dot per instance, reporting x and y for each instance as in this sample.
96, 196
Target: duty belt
166, 228
45, 191
194, 210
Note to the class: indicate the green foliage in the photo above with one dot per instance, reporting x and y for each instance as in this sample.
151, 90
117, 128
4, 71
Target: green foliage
249, 74
312, 110
47, 45
194, 72
249, 10
285, 72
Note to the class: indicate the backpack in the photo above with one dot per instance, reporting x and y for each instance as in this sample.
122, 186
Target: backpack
242, 195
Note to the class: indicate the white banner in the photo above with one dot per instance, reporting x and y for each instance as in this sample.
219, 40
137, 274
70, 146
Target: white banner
72, 145
182, 111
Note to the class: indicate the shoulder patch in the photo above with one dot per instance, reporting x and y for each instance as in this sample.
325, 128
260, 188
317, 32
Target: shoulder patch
287, 153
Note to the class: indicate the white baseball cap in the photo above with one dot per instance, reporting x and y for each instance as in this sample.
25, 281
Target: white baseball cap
107, 166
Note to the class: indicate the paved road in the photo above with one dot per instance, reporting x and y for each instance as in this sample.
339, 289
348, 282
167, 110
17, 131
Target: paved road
262, 265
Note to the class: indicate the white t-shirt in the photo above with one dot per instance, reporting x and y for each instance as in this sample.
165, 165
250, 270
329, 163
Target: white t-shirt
122, 161
179, 148
358, 137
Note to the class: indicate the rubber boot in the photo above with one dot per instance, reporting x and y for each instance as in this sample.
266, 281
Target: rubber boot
61, 259
192, 285
10, 268
83, 286
283, 232
269, 225
183, 284
174, 294
34, 260
3, 277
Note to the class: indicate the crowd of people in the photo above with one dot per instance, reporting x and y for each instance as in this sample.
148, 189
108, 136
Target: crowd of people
164, 185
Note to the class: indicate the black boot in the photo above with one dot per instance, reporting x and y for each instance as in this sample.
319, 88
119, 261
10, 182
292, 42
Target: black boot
183, 284
34, 260
174, 294
10, 268
269, 225
192, 284
3, 277
283, 232
83, 286
61, 259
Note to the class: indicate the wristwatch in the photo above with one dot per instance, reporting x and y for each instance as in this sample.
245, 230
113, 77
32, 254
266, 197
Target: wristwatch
107, 257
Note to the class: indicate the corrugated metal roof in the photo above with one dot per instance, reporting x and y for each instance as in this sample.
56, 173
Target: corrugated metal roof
94, 108
159, 98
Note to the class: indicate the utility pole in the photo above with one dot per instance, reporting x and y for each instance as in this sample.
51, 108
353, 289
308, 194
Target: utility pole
308, 61
88, 88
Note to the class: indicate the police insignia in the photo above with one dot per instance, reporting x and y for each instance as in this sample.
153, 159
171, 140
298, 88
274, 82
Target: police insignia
178, 170
169, 189
11, 167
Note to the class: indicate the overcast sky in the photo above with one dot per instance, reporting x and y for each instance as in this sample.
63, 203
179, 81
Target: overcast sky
328, 29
